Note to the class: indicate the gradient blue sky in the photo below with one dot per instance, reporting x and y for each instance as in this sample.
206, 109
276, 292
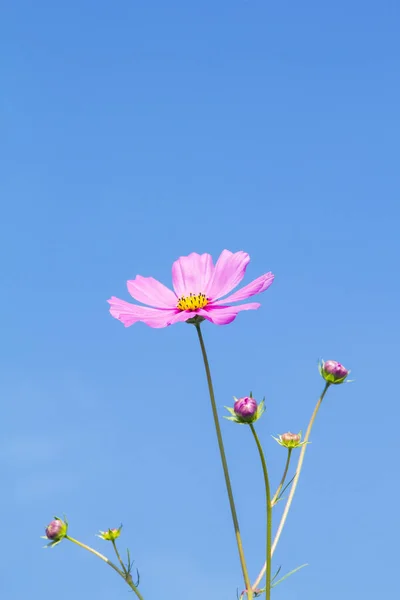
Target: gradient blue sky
132, 133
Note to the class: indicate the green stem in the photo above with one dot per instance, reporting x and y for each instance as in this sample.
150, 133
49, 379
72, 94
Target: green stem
269, 515
295, 481
278, 491
106, 560
119, 558
225, 465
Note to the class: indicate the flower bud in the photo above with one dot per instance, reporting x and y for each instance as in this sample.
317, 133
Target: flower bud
56, 531
332, 371
290, 440
245, 408
111, 534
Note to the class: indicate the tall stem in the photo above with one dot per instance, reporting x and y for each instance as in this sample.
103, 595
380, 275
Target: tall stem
280, 486
225, 465
106, 560
269, 515
295, 482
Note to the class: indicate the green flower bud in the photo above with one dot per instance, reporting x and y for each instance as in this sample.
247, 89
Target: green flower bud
110, 535
290, 440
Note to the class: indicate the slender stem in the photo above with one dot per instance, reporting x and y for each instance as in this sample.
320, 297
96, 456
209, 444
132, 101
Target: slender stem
119, 558
106, 560
225, 465
280, 486
299, 467
269, 515
295, 482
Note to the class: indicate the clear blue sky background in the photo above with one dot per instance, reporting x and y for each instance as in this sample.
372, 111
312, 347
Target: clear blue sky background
132, 133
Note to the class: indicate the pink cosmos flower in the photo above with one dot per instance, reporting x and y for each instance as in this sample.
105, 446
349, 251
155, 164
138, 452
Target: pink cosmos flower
198, 285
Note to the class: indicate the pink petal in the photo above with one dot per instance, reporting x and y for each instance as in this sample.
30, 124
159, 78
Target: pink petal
228, 273
191, 274
223, 315
129, 313
182, 316
255, 287
150, 291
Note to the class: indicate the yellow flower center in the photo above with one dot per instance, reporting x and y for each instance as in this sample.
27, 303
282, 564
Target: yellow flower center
192, 302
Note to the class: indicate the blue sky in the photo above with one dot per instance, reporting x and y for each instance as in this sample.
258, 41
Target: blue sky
134, 133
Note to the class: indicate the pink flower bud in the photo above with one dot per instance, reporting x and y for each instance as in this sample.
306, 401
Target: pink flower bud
290, 438
56, 530
333, 372
245, 408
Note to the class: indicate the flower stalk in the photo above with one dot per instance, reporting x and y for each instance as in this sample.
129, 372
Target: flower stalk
285, 472
121, 562
295, 482
269, 515
224, 464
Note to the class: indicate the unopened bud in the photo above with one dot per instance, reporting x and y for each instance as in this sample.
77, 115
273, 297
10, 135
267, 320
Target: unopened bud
245, 408
56, 531
111, 534
290, 440
332, 371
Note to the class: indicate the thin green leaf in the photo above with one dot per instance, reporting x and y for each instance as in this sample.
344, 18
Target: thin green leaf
289, 574
276, 574
286, 486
